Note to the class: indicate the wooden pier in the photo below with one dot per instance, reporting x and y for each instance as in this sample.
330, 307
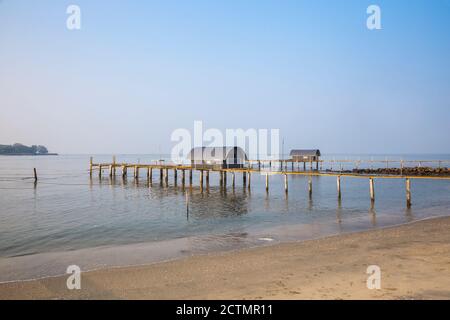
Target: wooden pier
246, 172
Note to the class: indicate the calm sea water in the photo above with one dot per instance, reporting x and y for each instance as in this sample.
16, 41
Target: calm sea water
71, 219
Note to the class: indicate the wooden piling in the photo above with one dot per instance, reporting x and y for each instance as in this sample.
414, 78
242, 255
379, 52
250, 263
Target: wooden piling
225, 179
166, 176
338, 182
175, 175
114, 166
183, 177
249, 180
110, 170
136, 172
285, 183
267, 183
408, 193
90, 166
207, 178
244, 178
99, 170
233, 179
372, 190
190, 177
124, 171
161, 175
201, 179
35, 175
221, 178
310, 186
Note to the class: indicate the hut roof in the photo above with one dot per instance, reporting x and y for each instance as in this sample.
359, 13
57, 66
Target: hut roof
216, 153
305, 152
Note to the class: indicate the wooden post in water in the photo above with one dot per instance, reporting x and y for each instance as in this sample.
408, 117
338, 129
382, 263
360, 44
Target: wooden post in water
150, 175
408, 193
166, 176
175, 175
225, 179
201, 179
233, 178
310, 186
35, 175
90, 166
114, 166
207, 179
372, 190
338, 182
110, 170
221, 178
99, 170
267, 182
161, 175
285, 183
244, 178
124, 171
249, 179
190, 177
183, 177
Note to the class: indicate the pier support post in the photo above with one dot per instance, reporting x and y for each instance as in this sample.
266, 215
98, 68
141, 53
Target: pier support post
114, 166
110, 170
221, 178
267, 183
35, 175
124, 171
338, 182
90, 167
285, 183
207, 179
150, 175
166, 177
175, 176
408, 193
161, 175
233, 179
225, 179
244, 178
310, 186
183, 177
372, 190
249, 180
99, 170
201, 179
190, 177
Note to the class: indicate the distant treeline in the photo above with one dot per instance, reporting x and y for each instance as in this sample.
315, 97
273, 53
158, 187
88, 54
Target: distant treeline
18, 148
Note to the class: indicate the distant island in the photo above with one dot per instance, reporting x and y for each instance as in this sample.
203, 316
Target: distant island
18, 149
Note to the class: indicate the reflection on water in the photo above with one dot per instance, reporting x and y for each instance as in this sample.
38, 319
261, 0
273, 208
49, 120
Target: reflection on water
68, 212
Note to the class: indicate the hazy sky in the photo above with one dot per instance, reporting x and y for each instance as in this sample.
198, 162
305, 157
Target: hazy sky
137, 71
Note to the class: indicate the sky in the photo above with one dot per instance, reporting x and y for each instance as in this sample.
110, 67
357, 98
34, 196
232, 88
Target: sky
136, 71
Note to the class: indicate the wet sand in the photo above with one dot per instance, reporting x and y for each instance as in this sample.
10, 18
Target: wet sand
414, 261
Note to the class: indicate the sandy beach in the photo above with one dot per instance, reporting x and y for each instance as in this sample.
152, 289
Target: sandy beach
414, 261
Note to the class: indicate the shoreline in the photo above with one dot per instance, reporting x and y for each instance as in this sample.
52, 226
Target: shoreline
311, 269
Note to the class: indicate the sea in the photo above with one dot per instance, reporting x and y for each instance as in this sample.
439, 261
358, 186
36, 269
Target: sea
69, 218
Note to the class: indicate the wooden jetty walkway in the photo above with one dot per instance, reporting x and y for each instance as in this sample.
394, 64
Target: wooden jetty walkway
260, 168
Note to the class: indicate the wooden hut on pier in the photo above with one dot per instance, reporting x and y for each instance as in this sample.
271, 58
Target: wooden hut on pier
217, 157
306, 155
